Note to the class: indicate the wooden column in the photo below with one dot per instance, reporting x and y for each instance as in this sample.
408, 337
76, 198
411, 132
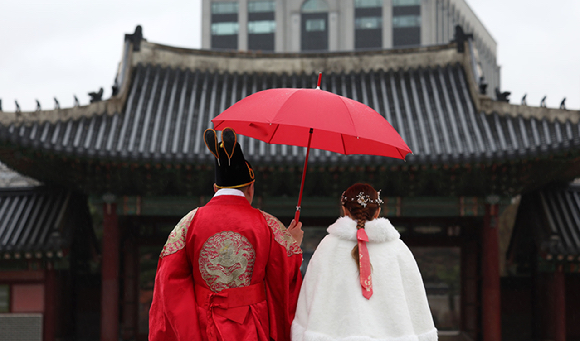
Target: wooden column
491, 296
49, 323
469, 289
558, 296
130, 289
110, 274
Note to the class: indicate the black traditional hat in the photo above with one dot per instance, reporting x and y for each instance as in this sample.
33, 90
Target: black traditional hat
231, 168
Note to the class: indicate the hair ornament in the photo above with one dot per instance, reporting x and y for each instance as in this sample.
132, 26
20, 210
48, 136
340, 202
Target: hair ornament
363, 199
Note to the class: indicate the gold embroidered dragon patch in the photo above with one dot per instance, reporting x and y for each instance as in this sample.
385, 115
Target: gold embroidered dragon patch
226, 260
281, 235
176, 239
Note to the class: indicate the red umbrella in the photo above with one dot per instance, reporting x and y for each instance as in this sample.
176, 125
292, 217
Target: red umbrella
313, 118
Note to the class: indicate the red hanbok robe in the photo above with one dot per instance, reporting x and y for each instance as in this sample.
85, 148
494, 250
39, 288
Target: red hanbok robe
227, 272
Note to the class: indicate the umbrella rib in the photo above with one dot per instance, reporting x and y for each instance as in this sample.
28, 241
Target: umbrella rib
402, 156
274, 133
349, 116
343, 144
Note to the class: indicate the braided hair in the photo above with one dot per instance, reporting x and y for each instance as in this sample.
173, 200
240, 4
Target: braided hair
361, 210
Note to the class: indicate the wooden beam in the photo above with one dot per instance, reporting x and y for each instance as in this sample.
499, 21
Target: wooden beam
476, 179
311, 206
23, 276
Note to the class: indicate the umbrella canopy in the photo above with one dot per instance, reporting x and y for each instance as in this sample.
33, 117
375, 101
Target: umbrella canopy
339, 124
313, 118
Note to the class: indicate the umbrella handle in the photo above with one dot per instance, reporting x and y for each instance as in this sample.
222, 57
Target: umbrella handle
298, 207
297, 214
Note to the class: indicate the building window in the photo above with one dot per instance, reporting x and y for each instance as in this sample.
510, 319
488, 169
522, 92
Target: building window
368, 23
224, 28
262, 27
368, 3
224, 25
313, 25
4, 298
407, 21
314, 6
406, 2
314, 29
224, 8
261, 6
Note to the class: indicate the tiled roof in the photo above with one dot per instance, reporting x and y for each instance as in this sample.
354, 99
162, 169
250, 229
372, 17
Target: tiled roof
33, 223
561, 228
9, 178
550, 219
168, 108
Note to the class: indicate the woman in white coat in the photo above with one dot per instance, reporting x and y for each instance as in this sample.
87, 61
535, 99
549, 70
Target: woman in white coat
362, 283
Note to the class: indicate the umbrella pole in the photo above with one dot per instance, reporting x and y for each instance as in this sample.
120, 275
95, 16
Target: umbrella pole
298, 206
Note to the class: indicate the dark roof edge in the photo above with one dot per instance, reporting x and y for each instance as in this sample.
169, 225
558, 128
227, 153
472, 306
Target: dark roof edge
31, 189
111, 106
252, 62
489, 106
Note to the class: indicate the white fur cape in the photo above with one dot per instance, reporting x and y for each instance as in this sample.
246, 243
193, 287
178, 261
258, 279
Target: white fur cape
331, 305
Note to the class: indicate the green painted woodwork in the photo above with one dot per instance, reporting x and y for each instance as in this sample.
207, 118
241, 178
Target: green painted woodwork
554, 265
506, 177
319, 207
12, 263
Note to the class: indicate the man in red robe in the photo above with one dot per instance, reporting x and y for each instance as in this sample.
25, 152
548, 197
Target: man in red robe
228, 271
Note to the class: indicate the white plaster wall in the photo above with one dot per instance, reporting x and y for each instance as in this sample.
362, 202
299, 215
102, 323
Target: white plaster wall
462, 7
346, 27
282, 26
333, 31
428, 27
387, 24
205, 24
243, 20
295, 33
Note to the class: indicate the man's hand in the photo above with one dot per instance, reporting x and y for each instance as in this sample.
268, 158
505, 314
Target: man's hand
295, 230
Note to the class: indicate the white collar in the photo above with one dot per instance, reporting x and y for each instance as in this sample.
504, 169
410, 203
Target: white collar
378, 230
229, 191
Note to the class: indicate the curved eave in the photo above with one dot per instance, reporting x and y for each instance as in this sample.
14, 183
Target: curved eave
561, 209
167, 110
32, 223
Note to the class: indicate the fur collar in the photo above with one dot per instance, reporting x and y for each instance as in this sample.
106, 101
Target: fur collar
378, 230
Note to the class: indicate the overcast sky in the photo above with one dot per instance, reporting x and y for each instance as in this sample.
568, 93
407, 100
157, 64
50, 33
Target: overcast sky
63, 48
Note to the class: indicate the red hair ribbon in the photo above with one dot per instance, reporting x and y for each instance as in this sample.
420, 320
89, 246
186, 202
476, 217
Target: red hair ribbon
365, 264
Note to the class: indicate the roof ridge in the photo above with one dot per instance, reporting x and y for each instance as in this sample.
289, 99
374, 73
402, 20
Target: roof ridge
339, 61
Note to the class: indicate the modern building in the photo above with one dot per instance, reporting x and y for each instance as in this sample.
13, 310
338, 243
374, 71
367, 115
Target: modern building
344, 25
